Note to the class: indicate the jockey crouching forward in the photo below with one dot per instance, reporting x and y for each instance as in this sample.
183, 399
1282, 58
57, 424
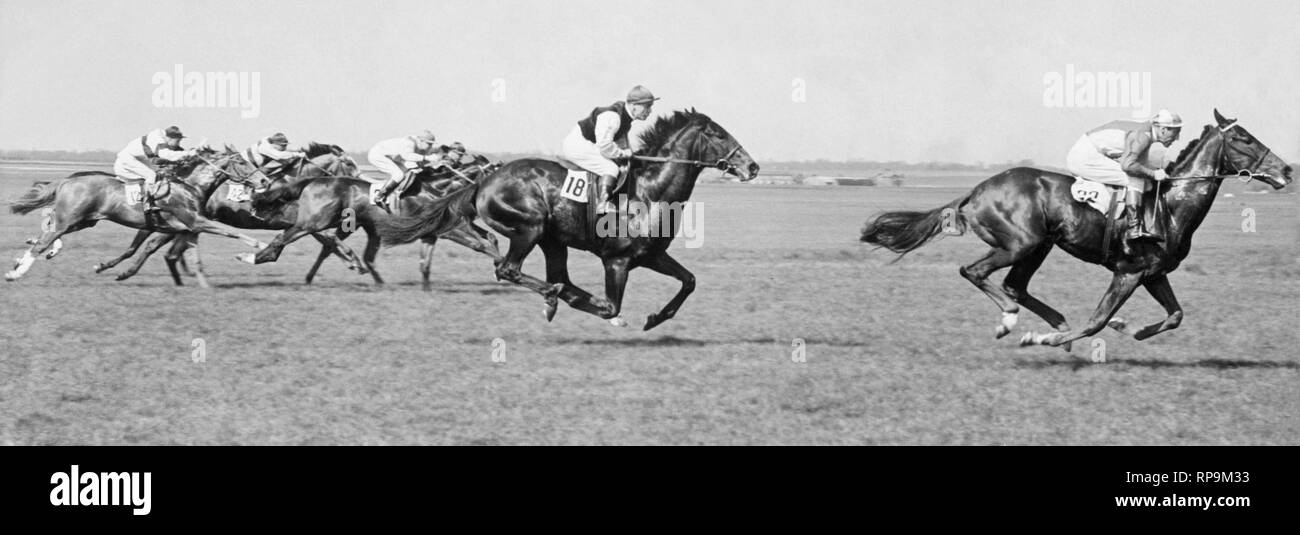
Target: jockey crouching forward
601, 137
271, 154
1116, 154
142, 157
400, 156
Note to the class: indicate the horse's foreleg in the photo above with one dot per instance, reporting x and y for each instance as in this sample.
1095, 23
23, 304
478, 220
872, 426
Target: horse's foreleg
1121, 288
192, 249
1159, 288
426, 261
150, 248
203, 224
668, 265
373, 242
130, 251
173, 254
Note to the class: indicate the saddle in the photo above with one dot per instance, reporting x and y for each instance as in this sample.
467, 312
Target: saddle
580, 186
1111, 202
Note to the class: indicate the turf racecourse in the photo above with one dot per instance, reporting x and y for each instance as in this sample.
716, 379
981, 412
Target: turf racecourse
895, 353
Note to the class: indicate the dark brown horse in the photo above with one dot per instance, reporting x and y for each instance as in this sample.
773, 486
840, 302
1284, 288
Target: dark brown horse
225, 204
1021, 213
83, 199
343, 204
523, 201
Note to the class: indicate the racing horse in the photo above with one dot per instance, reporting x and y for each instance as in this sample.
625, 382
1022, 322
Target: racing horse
230, 202
83, 199
523, 201
1023, 212
344, 204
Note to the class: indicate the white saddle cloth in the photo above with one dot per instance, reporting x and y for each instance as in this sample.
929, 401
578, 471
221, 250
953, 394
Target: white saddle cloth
1096, 195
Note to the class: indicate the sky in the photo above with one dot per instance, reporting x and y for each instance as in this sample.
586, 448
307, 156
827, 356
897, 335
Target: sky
911, 81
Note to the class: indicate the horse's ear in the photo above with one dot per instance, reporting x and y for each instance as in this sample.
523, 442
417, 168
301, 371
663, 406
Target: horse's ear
1218, 117
230, 148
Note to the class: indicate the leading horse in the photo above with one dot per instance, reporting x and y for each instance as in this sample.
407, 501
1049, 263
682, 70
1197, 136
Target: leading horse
524, 202
1023, 212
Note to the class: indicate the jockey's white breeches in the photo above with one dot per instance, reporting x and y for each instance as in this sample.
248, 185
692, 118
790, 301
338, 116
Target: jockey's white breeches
128, 167
384, 163
1085, 161
584, 153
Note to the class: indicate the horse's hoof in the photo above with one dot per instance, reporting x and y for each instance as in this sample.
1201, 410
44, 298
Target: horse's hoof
1117, 323
618, 321
550, 311
99, 268
247, 258
1027, 339
1067, 346
651, 322
1001, 331
11, 276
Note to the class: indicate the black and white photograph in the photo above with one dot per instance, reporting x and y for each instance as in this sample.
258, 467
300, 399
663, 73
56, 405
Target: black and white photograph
581, 222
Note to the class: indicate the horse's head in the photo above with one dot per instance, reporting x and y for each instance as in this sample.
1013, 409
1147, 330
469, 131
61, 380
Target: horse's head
331, 160
1246, 156
241, 171
693, 135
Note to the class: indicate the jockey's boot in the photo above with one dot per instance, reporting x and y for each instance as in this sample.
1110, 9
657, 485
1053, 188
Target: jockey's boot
604, 203
1137, 230
151, 198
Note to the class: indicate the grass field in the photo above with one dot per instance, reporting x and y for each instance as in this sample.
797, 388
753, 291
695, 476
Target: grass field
895, 353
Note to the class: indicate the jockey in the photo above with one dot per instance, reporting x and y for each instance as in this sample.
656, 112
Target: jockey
601, 137
402, 155
1116, 154
142, 157
272, 155
453, 154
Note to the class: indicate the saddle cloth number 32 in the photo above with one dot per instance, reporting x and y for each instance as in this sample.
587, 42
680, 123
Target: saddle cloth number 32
575, 187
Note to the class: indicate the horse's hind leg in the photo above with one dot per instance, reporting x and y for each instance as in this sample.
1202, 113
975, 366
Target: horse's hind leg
172, 255
557, 272
56, 227
522, 242
978, 274
1016, 285
334, 245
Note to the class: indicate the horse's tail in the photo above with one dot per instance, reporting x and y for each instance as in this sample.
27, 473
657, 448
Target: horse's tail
42, 193
905, 231
430, 219
277, 196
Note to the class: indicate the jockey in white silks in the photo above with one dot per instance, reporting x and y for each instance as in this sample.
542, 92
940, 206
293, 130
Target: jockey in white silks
1116, 154
271, 154
402, 155
140, 159
601, 137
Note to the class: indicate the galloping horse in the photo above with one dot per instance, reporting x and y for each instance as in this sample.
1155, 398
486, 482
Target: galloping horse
228, 206
523, 201
1023, 212
343, 203
83, 199
433, 185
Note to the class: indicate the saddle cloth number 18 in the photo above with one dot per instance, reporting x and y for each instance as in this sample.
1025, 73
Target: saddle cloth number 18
575, 186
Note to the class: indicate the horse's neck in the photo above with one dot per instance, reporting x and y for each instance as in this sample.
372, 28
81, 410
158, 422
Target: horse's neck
669, 182
1190, 200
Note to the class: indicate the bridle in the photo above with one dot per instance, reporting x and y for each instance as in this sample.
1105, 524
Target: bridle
1245, 174
723, 164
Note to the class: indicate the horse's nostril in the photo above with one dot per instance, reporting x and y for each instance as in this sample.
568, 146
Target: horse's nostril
753, 169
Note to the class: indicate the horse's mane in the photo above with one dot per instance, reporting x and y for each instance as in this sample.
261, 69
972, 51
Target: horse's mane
1178, 163
315, 149
659, 133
